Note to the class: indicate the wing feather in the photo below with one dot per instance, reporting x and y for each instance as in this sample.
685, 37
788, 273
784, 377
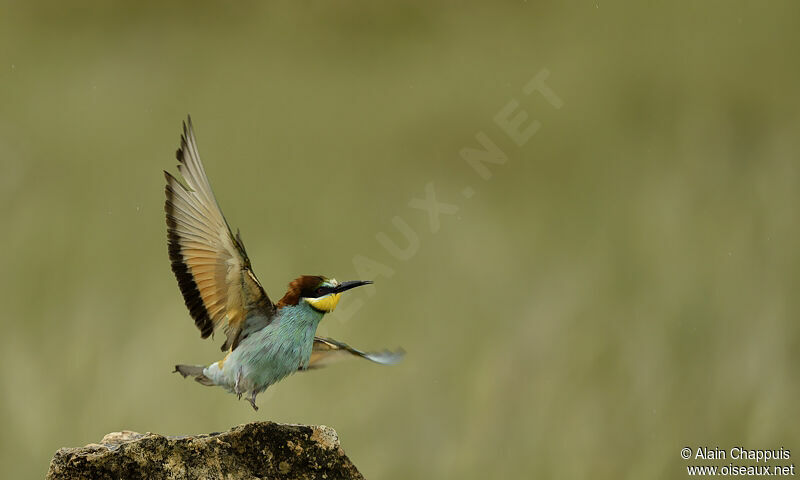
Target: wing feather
210, 263
327, 350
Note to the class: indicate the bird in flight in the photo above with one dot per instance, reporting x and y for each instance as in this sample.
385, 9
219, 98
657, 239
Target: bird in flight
264, 341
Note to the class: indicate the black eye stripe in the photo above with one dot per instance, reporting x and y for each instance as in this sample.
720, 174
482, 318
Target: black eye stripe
322, 291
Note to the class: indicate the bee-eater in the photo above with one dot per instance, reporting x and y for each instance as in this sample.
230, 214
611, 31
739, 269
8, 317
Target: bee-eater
265, 341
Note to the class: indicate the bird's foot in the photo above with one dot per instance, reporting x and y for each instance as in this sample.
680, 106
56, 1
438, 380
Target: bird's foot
236, 385
252, 399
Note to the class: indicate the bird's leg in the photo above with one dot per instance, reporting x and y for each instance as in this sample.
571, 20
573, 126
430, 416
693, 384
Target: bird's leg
236, 385
253, 400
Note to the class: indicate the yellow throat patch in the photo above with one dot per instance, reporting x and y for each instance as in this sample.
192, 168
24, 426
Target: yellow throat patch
325, 303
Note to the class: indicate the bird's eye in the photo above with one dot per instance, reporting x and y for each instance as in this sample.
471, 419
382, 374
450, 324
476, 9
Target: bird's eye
320, 291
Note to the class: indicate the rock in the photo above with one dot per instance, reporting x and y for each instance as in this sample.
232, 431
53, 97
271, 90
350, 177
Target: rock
263, 450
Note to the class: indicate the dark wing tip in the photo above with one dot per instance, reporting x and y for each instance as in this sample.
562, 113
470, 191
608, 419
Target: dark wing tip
188, 287
179, 153
188, 130
186, 283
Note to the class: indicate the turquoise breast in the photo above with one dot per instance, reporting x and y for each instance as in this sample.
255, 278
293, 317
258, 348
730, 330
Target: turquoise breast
279, 349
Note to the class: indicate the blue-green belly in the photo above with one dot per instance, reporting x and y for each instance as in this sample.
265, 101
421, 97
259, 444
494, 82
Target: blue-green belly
272, 353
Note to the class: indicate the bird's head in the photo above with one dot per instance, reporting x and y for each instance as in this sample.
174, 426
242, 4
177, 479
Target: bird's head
321, 293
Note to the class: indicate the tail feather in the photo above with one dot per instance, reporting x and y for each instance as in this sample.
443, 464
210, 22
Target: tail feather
195, 371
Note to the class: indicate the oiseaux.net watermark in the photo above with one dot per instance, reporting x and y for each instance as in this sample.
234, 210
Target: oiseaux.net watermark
738, 461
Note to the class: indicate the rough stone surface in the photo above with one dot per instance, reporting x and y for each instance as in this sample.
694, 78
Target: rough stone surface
262, 450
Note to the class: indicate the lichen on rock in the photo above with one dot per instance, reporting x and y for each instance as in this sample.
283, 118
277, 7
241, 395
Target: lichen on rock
264, 450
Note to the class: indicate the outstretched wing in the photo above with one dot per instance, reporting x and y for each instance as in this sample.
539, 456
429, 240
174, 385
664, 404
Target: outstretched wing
209, 262
328, 350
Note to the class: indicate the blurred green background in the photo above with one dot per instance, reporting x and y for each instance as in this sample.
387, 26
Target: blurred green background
625, 285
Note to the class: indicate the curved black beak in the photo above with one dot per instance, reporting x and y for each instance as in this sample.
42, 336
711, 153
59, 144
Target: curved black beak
350, 284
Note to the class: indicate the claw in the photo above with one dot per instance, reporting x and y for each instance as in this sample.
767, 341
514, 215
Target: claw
252, 399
